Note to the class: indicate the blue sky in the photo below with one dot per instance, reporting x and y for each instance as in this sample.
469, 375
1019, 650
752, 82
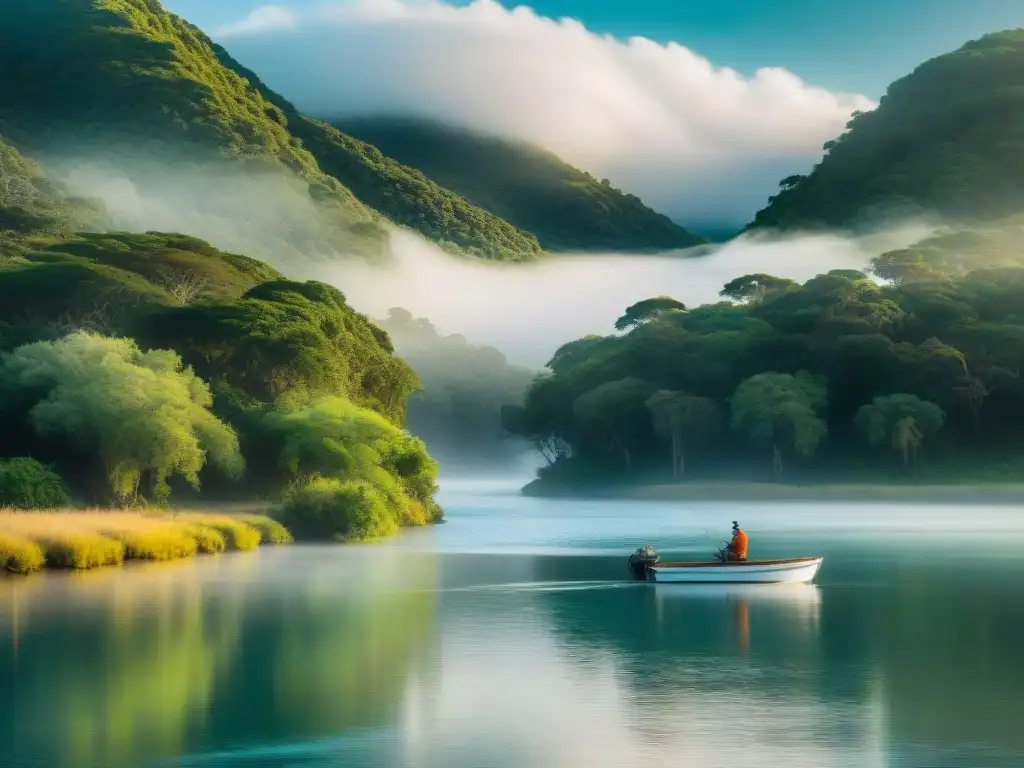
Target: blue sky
852, 46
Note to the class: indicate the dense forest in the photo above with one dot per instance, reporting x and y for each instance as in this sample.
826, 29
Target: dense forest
567, 209
457, 413
944, 141
909, 371
137, 365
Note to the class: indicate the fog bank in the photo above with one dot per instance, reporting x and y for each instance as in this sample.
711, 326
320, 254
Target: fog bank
528, 311
525, 310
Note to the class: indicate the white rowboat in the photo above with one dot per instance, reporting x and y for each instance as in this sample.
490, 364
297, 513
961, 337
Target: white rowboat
794, 571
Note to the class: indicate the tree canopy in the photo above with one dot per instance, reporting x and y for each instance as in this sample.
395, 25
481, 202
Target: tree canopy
811, 378
142, 414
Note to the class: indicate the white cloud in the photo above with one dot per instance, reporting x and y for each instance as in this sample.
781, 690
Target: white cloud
698, 141
263, 19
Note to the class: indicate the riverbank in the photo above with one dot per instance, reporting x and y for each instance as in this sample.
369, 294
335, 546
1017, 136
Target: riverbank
960, 493
94, 538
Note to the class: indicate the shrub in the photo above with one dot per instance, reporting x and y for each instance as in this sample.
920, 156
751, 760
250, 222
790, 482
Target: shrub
271, 531
327, 508
27, 484
20, 555
82, 550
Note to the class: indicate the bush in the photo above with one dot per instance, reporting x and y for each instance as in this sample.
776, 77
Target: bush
27, 484
82, 550
326, 508
271, 531
20, 555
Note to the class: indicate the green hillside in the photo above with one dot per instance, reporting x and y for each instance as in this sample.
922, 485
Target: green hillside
567, 209
404, 194
944, 140
127, 75
31, 202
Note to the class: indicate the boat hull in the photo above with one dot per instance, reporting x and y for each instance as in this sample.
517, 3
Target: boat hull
796, 571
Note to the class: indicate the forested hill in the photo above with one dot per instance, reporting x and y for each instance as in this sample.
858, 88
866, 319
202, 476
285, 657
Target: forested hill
945, 140
567, 209
127, 76
837, 379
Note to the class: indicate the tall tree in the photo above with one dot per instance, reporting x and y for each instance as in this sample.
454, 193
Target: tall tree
613, 410
680, 416
781, 410
902, 418
648, 309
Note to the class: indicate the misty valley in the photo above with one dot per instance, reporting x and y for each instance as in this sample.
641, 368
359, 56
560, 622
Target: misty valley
255, 318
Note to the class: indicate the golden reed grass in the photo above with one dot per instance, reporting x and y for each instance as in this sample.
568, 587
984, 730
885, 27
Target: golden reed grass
80, 539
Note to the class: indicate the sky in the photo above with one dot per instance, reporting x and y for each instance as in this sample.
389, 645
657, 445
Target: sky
697, 106
849, 46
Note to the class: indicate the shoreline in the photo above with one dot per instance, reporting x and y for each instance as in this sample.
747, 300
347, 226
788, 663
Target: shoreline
85, 539
1010, 494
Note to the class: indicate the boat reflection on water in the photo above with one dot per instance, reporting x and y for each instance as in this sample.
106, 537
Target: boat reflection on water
791, 608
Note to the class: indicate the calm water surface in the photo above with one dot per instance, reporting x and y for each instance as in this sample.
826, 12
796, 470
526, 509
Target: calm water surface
511, 636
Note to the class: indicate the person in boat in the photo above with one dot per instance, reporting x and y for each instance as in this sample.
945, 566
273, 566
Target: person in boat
737, 548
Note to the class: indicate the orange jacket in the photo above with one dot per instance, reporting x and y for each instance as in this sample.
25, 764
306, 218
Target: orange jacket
738, 545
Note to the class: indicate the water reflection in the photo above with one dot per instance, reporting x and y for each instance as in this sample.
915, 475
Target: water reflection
118, 668
435, 651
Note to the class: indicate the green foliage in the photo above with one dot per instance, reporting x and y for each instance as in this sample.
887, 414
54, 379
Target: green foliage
780, 409
567, 209
645, 310
681, 419
286, 337
904, 419
330, 508
333, 438
140, 413
409, 198
943, 140
463, 389
793, 370
752, 288
27, 484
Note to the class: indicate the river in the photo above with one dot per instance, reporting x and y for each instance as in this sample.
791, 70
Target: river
511, 636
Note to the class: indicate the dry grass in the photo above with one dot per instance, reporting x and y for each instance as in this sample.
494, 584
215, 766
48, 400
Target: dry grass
20, 555
271, 531
82, 539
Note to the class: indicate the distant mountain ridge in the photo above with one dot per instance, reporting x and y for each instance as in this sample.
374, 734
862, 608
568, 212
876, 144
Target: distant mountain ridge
945, 141
129, 74
567, 209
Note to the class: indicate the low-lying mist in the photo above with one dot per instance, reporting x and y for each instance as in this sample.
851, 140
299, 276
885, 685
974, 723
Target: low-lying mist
525, 310
528, 311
